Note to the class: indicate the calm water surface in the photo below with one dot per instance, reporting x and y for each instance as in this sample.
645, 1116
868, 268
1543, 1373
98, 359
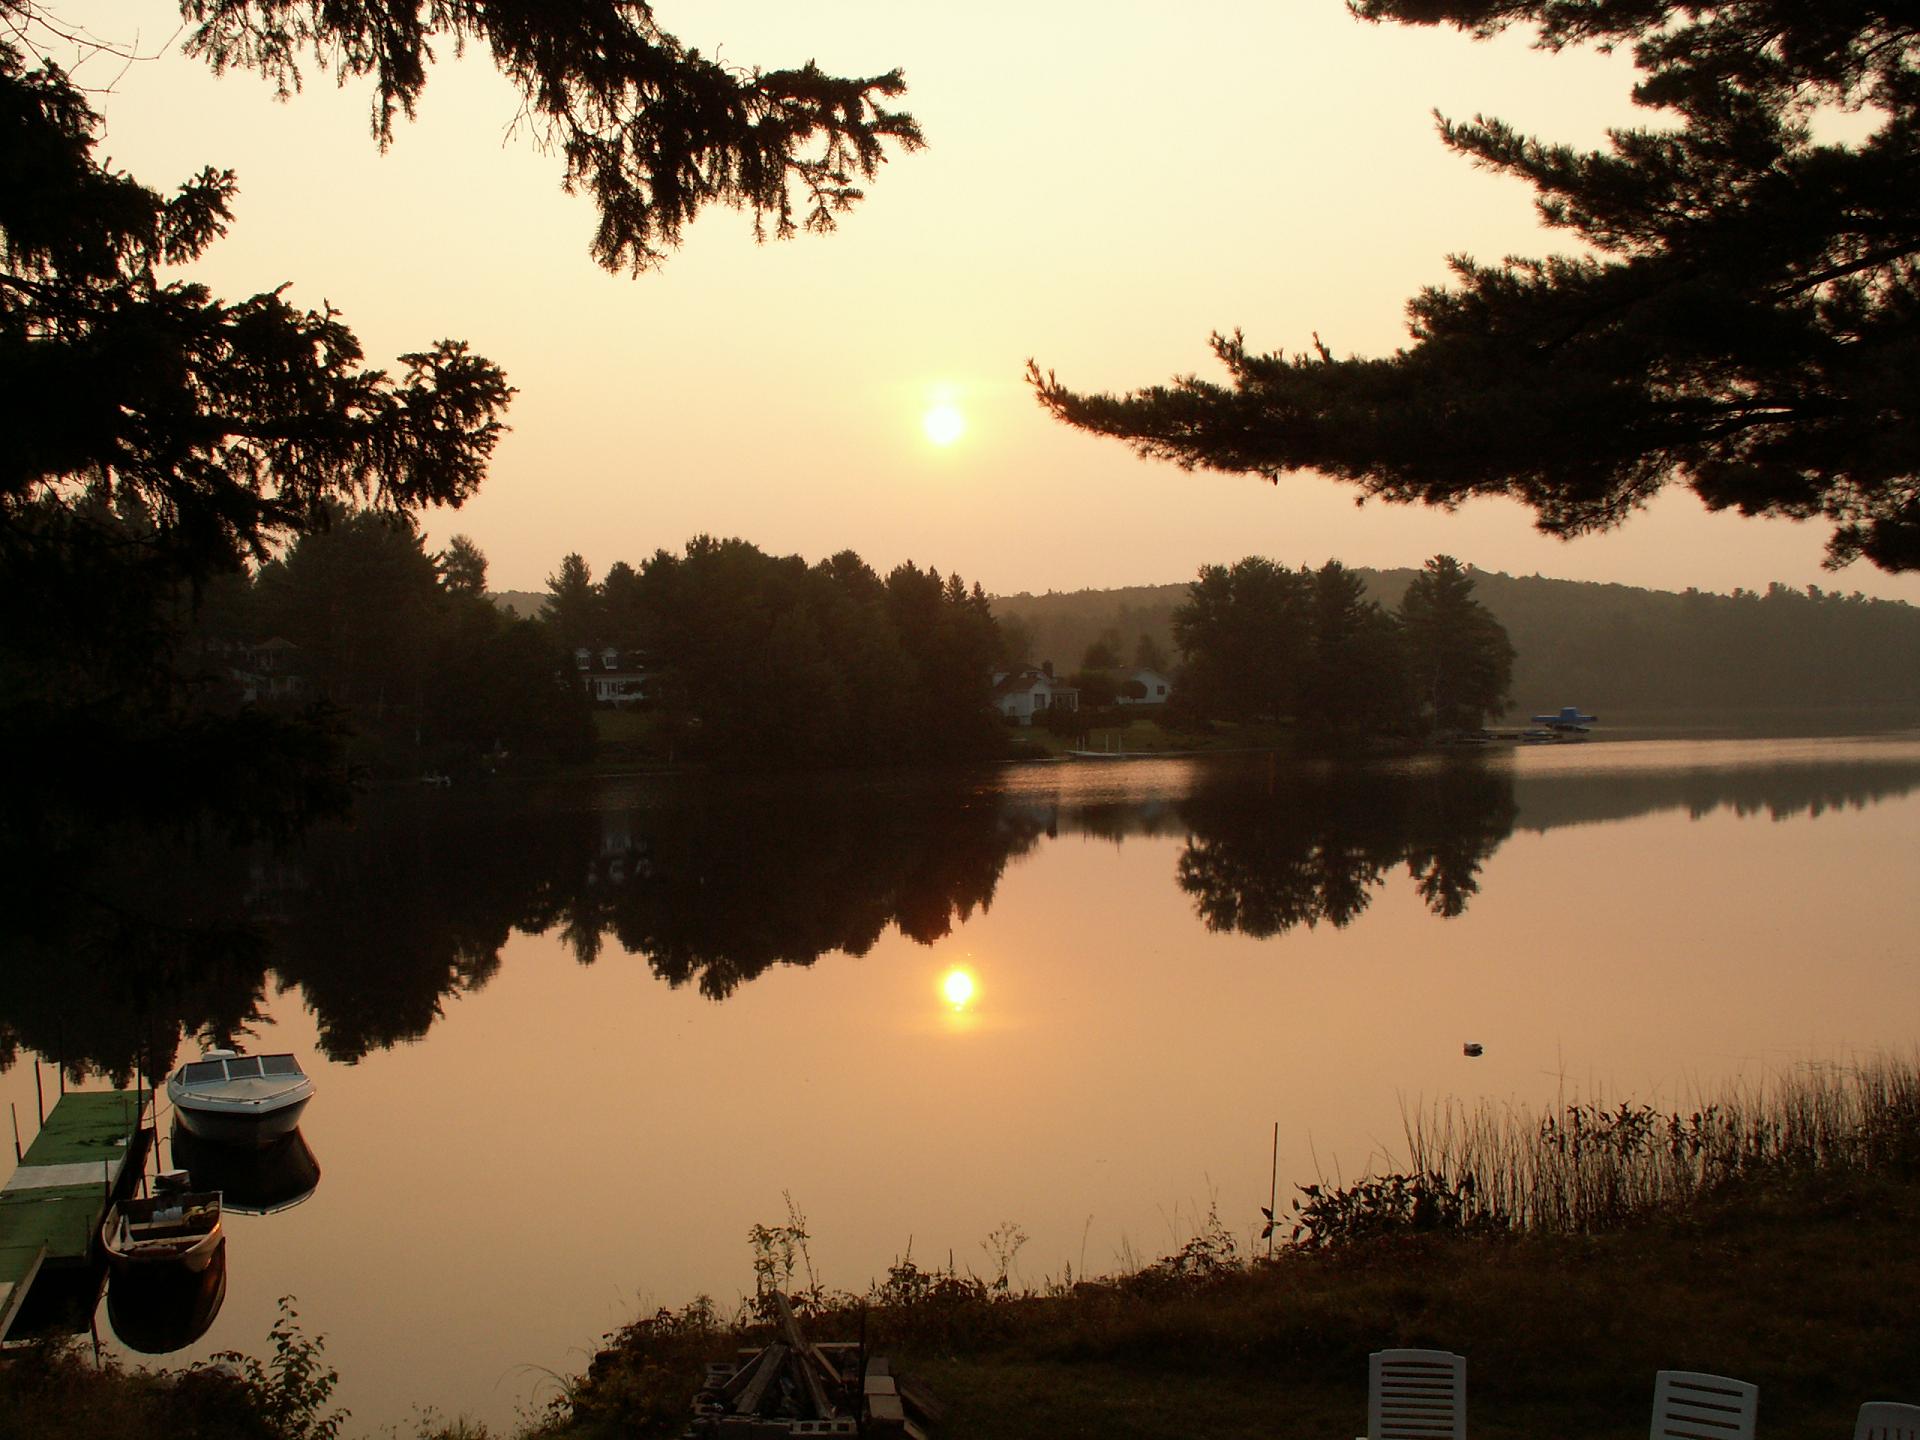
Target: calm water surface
570, 1046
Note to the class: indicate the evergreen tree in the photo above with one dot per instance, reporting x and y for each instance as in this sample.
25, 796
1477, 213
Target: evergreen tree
1459, 658
359, 597
463, 567
1739, 315
1355, 681
651, 129
623, 608
1245, 633
572, 607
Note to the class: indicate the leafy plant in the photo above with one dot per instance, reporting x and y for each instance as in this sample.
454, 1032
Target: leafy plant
778, 1252
290, 1391
1379, 1205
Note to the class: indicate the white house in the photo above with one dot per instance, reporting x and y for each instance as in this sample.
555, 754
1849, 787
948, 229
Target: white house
1021, 695
612, 676
1154, 687
267, 671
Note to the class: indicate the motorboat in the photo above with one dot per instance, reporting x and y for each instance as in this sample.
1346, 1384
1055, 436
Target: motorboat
235, 1099
174, 1229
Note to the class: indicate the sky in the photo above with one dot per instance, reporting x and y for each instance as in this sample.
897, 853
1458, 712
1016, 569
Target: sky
1104, 186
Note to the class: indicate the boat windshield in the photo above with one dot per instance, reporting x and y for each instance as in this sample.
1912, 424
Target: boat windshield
203, 1072
247, 1067
280, 1065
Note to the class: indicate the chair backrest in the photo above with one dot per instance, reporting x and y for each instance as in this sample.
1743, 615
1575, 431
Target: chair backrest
1887, 1420
1416, 1395
1690, 1406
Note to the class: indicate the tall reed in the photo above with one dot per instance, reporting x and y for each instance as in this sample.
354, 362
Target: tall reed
1590, 1167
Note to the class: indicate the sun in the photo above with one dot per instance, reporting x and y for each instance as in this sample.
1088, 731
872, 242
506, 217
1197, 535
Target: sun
944, 424
957, 986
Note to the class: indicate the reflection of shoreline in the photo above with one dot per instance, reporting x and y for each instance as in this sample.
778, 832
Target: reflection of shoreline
1778, 790
710, 885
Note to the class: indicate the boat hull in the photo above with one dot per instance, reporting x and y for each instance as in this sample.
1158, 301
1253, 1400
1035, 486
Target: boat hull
223, 1126
158, 1313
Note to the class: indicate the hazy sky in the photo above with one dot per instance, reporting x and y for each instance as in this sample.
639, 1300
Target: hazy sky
1104, 185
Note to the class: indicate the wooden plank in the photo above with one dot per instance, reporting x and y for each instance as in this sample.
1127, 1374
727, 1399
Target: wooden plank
13, 1294
797, 1342
827, 1363
772, 1361
919, 1401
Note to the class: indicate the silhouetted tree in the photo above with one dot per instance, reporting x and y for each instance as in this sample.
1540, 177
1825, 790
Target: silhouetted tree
1246, 634
1355, 683
359, 597
651, 129
1459, 659
623, 609
572, 608
1739, 315
462, 567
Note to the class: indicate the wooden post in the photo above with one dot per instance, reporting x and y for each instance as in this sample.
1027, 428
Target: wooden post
1273, 1192
39, 1093
17, 1156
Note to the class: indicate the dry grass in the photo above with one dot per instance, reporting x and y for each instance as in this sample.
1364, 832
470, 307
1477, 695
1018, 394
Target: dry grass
1589, 1168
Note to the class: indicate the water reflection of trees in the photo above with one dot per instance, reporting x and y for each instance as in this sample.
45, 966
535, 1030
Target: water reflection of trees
379, 925
1311, 846
719, 891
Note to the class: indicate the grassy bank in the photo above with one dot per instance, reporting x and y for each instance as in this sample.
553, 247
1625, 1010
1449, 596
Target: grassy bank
1764, 1236
1772, 1235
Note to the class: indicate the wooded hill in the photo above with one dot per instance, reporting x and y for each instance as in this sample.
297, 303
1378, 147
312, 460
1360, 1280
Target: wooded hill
1603, 647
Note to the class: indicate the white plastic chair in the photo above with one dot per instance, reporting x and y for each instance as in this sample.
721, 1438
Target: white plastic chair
1690, 1406
1416, 1395
1887, 1420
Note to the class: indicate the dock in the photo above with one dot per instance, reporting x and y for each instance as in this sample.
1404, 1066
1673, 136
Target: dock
90, 1150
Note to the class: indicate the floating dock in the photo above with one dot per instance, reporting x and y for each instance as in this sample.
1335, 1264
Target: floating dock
90, 1150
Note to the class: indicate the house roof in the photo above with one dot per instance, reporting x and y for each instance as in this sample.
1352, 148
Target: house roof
1021, 682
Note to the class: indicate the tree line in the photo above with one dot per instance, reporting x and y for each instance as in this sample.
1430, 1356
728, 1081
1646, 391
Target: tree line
749, 659
1264, 643
758, 659
1602, 646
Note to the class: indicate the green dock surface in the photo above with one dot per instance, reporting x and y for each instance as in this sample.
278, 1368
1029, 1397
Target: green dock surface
53, 1203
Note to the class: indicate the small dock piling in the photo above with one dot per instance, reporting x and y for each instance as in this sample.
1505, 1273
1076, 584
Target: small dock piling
90, 1151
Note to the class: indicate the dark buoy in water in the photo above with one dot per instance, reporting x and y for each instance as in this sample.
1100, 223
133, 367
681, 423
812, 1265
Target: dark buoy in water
1472, 1048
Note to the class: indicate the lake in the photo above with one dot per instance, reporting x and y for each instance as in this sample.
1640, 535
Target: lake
571, 1042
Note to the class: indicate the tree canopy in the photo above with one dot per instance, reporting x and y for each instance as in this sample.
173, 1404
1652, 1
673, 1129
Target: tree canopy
651, 129
1741, 313
1262, 642
1459, 658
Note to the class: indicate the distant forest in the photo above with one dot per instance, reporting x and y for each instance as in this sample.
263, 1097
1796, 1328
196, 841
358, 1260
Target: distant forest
1594, 645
